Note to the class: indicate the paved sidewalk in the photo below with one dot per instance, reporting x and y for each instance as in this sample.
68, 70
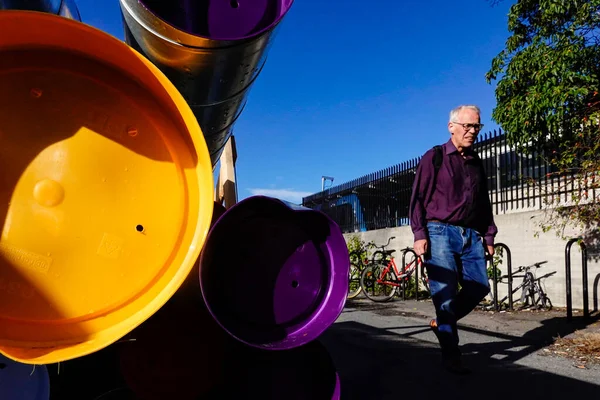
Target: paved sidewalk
386, 351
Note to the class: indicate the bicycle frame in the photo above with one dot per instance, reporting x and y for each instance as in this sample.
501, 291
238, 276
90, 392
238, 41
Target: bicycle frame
407, 272
391, 264
530, 286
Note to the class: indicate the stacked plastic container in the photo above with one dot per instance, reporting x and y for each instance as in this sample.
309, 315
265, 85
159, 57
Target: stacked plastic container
120, 278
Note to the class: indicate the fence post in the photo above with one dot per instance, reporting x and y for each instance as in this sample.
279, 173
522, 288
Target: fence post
584, 278
510, 278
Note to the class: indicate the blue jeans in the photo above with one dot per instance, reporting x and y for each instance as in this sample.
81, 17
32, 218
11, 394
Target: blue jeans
456, 256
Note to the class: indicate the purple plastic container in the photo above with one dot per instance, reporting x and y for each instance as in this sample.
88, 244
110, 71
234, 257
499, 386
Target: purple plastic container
23, 381
274, 275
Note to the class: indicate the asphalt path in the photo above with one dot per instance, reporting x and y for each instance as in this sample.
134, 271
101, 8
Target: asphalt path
386, 351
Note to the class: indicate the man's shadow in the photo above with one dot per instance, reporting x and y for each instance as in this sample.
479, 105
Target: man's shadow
513, 348
374, 363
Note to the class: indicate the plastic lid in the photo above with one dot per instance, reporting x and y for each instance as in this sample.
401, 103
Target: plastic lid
106, 192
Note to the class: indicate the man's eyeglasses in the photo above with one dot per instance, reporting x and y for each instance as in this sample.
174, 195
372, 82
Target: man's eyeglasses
468, 127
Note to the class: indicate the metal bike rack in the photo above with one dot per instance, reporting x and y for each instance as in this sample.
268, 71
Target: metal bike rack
595, 296
510, 278
490, 260
586, 311
416, 274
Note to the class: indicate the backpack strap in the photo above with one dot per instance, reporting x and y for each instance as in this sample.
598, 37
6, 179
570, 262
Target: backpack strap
438, 157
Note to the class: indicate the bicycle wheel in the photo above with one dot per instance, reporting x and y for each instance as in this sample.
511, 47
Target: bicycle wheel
546, 303
373, 283
524, 301
541, 300
354, 288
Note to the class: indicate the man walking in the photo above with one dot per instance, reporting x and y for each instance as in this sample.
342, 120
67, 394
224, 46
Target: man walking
453, 227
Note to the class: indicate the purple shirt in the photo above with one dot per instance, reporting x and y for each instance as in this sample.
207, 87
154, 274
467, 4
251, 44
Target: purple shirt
459, 198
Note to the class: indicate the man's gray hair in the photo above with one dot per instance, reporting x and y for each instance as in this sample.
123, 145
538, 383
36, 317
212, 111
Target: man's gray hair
455, 111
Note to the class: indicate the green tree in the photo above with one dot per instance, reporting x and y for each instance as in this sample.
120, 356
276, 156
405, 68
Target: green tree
548, 79
357, 249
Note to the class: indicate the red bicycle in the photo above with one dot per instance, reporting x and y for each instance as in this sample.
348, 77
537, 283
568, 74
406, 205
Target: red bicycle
382, 279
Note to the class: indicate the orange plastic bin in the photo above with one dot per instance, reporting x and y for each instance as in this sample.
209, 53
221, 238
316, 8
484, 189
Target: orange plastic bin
106, 188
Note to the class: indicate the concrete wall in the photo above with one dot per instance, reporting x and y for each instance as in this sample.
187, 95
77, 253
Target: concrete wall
517, 231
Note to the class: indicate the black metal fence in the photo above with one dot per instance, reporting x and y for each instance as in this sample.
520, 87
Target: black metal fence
381, 199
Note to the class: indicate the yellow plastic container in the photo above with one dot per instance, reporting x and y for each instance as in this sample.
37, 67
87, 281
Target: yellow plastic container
106, 188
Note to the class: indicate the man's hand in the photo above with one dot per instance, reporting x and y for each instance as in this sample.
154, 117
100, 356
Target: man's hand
420, 247
490, 250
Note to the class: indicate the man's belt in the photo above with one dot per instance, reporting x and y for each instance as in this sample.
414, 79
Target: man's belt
436, 220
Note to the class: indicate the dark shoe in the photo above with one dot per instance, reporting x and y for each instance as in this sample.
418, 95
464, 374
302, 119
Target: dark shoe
434, 328
451, 360
455, 366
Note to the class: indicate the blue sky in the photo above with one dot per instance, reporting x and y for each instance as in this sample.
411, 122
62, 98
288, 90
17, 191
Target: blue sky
351, 88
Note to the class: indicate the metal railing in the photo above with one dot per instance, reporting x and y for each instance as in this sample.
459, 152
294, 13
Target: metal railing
381, 199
